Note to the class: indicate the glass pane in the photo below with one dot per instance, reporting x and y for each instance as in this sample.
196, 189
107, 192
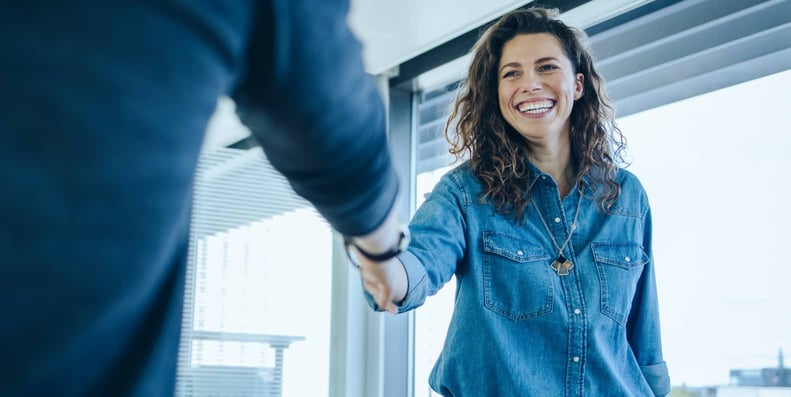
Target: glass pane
716, 171
257, 251
431, 319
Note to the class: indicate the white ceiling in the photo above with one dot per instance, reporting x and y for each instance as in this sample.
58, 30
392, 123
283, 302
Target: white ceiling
394, 31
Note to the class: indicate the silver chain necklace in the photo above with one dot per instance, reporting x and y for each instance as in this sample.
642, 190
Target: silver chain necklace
561, 264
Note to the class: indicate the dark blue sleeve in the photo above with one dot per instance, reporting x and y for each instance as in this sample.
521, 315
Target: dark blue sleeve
318, 116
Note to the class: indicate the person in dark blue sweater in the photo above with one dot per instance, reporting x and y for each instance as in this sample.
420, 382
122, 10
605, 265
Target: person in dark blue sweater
103, 107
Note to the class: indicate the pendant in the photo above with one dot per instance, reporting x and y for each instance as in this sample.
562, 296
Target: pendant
562, 265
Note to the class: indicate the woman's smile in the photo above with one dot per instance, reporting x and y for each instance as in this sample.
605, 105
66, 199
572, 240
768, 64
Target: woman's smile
536, 107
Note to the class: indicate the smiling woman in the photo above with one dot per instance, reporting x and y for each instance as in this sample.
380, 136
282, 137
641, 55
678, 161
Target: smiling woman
537, 87
548, 239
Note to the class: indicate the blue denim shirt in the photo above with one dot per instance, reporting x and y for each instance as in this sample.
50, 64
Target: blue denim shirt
520, 329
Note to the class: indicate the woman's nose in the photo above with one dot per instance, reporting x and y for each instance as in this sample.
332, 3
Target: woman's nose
531, 82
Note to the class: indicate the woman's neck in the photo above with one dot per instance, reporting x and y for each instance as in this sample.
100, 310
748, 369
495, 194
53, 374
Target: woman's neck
557, 163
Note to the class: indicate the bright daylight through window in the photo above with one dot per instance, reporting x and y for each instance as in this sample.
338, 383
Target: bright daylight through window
257, 302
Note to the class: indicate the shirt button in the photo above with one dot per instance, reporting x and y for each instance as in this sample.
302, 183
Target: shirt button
628, 259
577, 311
557, 220
575, 359
519, 252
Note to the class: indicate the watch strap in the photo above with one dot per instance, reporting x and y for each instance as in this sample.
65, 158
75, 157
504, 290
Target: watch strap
401, 245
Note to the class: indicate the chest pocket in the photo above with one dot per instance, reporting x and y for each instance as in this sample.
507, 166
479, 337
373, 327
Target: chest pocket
619, 266
516, 277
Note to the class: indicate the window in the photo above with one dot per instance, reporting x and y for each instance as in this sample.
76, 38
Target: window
716, 168
432, 319
258, 291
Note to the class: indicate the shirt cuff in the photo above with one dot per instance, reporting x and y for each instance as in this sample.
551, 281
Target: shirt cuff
416, 275
657, 377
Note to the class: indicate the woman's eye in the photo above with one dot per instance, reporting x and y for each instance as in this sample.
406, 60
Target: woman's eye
510, 73
547, 68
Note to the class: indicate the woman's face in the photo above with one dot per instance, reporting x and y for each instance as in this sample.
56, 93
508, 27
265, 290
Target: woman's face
537, 87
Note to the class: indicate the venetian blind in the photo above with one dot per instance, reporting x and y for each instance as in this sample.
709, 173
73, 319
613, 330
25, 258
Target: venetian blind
257, 250
433, 109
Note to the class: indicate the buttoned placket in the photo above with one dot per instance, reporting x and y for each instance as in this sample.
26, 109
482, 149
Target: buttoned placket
562, 213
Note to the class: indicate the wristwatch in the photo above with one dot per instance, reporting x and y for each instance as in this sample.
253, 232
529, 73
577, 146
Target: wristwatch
399, 247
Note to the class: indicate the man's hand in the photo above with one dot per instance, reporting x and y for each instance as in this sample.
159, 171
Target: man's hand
385, 281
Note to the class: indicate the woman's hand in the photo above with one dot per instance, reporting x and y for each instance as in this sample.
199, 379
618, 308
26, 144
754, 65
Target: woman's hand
385, 281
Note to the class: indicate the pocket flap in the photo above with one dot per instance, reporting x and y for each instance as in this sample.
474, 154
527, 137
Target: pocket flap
626, 254
512, 248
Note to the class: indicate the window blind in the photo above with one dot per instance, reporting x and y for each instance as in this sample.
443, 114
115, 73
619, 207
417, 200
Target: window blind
256, 251
433, 109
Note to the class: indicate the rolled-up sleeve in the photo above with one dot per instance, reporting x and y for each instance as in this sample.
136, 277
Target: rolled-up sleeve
657, 377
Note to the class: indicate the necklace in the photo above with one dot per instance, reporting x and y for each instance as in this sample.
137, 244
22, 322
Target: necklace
561, 264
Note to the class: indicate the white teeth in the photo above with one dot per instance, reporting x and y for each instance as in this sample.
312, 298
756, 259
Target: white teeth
535, 107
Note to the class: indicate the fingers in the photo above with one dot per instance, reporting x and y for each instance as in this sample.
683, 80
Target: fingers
385, 281
391, 308
381, 293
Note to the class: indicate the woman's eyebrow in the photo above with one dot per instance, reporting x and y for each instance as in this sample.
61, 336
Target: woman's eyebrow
546, 59
539, 60
510, 64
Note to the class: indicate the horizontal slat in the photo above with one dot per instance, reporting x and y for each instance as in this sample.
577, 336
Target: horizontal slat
236, 193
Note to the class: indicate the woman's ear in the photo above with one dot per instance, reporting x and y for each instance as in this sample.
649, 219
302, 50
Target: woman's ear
579, 86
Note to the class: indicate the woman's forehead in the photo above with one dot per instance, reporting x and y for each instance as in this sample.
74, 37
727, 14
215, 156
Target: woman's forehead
531, 47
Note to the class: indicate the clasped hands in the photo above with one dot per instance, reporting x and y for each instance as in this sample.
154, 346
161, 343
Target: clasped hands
385, 281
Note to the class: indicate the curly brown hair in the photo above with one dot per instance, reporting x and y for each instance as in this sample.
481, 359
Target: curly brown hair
498, 153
